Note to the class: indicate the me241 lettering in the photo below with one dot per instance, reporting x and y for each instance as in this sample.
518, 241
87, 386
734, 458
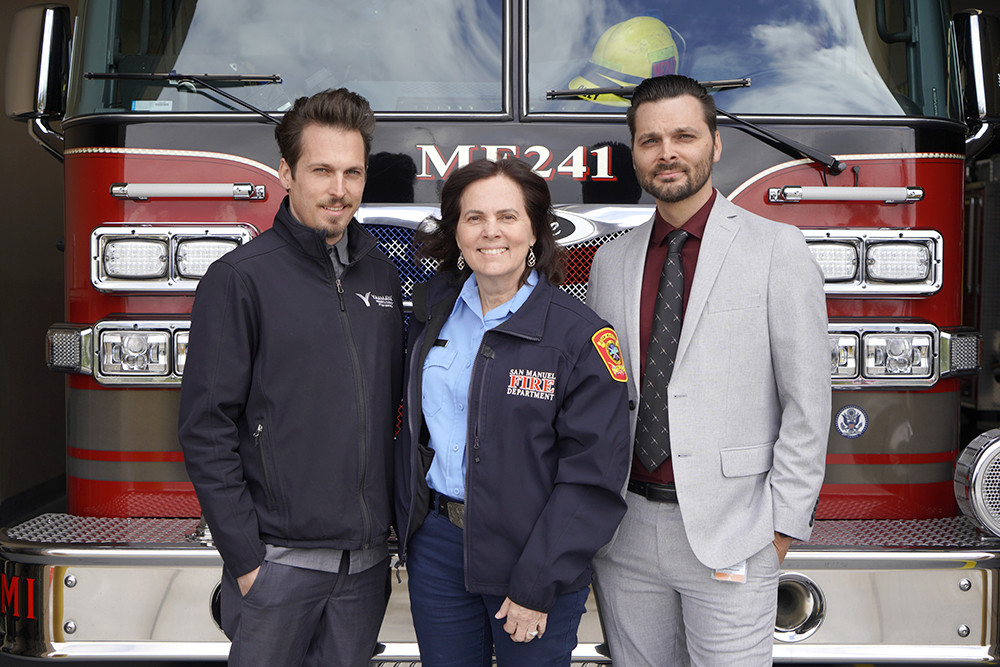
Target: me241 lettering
433, 164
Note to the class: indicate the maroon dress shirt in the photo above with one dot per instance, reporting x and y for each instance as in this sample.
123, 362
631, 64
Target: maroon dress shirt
656, 256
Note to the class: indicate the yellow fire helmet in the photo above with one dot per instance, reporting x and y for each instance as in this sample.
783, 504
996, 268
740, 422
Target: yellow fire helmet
627, 53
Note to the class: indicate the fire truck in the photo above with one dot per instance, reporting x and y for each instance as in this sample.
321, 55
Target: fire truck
855, 121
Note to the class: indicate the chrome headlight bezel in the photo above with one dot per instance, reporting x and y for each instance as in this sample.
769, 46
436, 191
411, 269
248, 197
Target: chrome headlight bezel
869, 242
867, 334
166, 331
173, 238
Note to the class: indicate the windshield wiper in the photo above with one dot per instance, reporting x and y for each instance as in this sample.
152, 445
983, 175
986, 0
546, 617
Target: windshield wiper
782, 143
201, 80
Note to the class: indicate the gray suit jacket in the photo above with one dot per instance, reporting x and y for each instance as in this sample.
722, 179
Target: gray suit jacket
750, 392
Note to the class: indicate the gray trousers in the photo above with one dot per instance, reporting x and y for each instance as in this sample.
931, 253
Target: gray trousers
662, 607
296, 616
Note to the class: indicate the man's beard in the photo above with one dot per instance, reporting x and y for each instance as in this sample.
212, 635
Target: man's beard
679, 190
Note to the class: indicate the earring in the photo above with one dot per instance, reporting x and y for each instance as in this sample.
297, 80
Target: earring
531, 256
460, 262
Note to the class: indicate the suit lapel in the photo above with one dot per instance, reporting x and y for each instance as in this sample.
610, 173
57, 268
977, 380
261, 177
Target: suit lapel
634, 261
720, 230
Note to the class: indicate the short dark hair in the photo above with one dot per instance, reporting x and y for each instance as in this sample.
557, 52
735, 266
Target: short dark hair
666, 87
439, 242
333, 108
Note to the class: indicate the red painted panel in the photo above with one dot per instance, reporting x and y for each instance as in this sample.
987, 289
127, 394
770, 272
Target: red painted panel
89, 204
942, 179
87, 497
889, 501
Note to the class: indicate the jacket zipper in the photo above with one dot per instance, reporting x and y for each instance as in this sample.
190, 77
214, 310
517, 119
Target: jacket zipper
475, 418
259, 442
362, 414
340, 296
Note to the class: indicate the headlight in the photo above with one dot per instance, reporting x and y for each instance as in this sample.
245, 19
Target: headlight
121, 352
134, 352
135, 259
839, 261
863, 262
194, 255
843, 355
159, 258
898, 262
898, 355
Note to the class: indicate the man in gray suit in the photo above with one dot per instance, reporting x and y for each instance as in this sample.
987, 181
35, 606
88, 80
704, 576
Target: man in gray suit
723, 329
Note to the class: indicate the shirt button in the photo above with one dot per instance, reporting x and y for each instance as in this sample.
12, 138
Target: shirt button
468, 364
460, 407
455, 448
455, 492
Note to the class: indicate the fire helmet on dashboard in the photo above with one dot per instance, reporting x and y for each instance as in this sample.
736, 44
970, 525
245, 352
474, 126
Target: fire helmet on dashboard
627, 53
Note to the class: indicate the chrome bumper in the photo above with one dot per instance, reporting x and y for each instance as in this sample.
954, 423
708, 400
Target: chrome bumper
86, 588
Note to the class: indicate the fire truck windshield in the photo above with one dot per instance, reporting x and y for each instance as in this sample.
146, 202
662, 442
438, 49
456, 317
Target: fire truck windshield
825, 57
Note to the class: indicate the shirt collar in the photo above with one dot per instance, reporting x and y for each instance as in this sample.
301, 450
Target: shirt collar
695, 226
340, 247
470, 296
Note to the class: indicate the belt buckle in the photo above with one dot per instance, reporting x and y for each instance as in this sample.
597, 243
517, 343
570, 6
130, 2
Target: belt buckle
456, 514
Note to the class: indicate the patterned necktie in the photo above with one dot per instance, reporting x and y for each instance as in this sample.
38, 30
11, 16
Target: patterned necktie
652, 433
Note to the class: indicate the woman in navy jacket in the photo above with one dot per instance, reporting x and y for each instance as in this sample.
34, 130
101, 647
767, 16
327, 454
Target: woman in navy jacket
514, 447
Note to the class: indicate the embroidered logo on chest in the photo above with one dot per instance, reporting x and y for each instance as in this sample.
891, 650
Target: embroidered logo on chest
369, 298
532, 384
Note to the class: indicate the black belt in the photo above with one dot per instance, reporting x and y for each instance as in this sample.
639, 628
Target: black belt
660, 493
453, 510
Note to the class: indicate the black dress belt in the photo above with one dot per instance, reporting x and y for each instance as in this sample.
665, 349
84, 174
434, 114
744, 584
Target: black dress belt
453, 510
660, 493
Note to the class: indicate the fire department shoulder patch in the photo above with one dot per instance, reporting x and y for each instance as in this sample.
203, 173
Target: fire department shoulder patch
606, 342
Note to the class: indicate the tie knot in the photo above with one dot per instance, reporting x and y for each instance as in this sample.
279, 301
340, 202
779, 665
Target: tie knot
675, 240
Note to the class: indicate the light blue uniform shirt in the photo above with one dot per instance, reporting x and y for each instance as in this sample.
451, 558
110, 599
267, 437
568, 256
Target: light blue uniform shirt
447, 374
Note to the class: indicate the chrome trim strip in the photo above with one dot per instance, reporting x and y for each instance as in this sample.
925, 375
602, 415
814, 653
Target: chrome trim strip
852, 157
174, 153
903, 654
144, 191
408, 216
791, 194
139, 649
863, 239
588, 221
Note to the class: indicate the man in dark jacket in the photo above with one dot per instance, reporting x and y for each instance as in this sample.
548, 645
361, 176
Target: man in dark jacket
289, 402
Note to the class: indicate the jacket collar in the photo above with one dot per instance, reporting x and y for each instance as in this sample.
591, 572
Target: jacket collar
436, 298
312, 242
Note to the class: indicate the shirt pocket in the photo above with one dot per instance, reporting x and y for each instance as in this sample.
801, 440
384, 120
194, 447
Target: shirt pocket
437, 369
745, 461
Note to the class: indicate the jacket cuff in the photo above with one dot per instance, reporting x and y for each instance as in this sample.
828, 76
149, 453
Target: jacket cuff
543, 609
245, 563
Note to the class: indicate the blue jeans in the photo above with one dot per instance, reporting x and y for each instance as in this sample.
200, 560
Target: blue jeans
456, 628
